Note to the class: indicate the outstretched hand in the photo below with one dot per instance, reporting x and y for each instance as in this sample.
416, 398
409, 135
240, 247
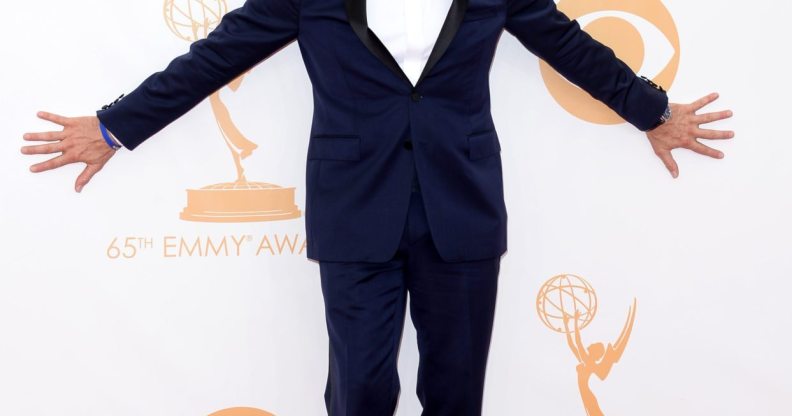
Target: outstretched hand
683, 130
79, 141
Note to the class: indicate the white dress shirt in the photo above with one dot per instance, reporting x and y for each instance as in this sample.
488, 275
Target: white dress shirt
408, 29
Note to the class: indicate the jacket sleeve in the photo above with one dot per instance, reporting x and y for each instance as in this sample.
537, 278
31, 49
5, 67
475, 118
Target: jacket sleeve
587, 63
244, 37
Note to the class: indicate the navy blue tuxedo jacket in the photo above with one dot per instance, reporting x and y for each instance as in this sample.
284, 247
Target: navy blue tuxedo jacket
359, 169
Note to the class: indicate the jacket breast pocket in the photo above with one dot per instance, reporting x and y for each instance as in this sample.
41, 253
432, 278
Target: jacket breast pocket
334, 147
483, 144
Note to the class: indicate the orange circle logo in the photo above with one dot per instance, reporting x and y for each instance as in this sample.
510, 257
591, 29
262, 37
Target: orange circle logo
627, 27
241, 411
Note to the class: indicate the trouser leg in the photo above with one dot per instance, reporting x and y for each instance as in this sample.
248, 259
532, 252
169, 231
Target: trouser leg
364, 309
452, 306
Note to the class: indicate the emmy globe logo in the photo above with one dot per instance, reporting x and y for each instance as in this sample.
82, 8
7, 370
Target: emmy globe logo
641, 33
242, 411
567, 304
240, 200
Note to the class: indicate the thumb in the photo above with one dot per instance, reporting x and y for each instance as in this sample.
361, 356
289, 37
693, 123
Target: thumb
85, 176
669, 162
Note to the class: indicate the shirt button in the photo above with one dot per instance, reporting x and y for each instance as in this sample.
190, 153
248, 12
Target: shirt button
407, 144
415, 96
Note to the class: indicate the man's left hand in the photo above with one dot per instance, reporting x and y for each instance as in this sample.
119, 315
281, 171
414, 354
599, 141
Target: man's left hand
683, 130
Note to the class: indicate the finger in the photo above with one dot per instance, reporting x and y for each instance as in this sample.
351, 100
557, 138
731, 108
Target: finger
711, 117
42, 149
714, 134
669, 163
53, 163
86, 176
46, 136
705, 150
53, 118
704, 101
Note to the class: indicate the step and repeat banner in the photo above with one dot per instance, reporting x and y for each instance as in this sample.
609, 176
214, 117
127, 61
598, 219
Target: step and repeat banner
623, 292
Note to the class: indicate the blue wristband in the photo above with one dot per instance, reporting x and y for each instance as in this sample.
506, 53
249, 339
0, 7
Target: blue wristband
107, 137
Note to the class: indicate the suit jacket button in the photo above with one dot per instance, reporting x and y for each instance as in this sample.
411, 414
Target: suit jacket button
407, 144
415, 96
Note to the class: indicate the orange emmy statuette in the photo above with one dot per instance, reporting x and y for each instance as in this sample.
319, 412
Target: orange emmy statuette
566, 298
241, 200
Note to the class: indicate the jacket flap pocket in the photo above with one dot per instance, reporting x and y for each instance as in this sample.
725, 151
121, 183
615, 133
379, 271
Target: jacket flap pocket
483, 144
342, 147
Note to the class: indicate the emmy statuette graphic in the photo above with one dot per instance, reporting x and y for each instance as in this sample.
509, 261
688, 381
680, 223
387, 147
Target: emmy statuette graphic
240, 200
567, 303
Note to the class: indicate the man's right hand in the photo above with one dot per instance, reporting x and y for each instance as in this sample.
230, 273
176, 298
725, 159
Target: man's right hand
80, 140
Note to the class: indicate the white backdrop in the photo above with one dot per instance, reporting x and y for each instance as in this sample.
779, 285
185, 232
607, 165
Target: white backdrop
706, 255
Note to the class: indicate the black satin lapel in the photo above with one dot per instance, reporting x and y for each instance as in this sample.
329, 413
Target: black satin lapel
453, 19
356, 14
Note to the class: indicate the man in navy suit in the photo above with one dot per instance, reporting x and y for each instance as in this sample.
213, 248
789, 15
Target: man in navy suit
404, 190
